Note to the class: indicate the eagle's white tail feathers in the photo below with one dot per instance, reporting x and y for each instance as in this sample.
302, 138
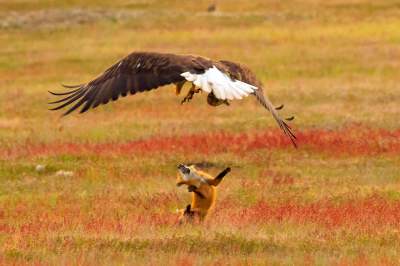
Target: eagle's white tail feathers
189, 76
223, 87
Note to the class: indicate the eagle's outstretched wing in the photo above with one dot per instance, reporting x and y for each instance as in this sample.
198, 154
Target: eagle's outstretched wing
144, 71
244, 74
137, 72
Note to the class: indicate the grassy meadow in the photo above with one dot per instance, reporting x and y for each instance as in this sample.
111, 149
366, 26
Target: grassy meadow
107, 194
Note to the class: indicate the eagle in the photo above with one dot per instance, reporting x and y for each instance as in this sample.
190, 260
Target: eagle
144, 71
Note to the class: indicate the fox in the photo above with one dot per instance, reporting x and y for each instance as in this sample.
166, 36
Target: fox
203, 186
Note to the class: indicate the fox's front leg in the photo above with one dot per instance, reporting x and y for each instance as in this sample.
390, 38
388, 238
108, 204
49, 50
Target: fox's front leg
193, 189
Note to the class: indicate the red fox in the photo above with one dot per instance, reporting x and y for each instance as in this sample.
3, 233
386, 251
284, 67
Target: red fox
204, 191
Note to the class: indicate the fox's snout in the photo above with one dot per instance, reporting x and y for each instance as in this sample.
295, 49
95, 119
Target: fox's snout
184, 169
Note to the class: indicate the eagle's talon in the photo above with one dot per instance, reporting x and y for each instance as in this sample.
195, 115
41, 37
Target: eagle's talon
186, 99
190, 95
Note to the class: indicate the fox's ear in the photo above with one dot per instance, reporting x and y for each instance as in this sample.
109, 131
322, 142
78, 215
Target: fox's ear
215, 182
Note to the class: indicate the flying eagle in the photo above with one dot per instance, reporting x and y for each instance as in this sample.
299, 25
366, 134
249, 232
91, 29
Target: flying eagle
143, 71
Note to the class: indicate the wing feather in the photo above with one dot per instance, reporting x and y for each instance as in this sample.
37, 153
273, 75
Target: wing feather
282, 124
78, 87
90, 100
65, 98
76, 96
243, 74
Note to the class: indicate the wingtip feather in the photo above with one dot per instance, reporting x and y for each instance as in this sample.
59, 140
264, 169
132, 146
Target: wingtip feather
71, 86
76, 88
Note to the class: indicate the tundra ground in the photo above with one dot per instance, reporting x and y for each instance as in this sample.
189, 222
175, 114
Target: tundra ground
334, 200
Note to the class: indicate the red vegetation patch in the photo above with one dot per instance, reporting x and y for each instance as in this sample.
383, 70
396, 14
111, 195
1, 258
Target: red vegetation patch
354, 140
371, 213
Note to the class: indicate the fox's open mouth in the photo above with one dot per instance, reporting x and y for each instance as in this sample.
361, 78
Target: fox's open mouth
184, 170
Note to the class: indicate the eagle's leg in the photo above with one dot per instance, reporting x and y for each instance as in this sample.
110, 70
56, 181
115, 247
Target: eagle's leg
214, 101
190, 94
179, 87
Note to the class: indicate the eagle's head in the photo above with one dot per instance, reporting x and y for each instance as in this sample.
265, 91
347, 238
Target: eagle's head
187, 175
214, 101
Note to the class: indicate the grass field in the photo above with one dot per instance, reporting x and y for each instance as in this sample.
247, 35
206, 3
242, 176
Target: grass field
334, 200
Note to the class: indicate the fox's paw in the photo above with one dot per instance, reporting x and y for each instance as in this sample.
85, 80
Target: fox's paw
192, 188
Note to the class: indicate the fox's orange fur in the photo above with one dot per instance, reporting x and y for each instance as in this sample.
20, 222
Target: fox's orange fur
203, 187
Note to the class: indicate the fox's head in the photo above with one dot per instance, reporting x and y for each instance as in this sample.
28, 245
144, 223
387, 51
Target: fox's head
188, 175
